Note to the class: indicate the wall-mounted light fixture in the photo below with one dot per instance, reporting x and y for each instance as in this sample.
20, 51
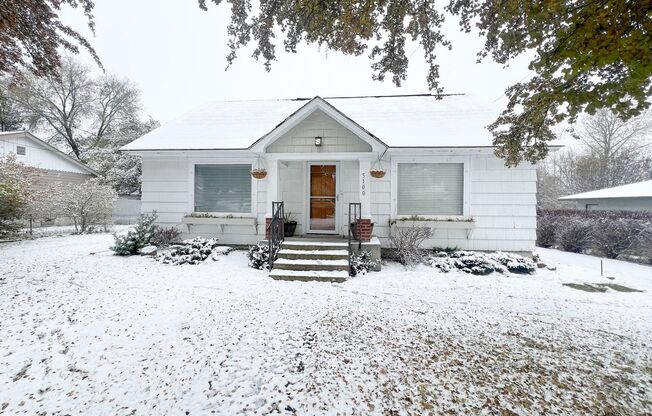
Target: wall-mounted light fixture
318, 141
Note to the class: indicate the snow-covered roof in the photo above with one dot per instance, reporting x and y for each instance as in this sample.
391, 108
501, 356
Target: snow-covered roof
50, 150
397, 121
633, 190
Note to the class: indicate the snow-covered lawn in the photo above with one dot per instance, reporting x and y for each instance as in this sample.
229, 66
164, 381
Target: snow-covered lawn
85, 332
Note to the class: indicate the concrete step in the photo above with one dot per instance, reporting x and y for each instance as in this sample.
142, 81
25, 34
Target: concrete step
313, 245
311, 264
309, 275
313, 254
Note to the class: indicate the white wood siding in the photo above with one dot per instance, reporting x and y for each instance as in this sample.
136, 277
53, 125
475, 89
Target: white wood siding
36, 155
335, 137
502, 203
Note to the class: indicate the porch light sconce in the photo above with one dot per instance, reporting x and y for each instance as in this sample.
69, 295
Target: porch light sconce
318, 141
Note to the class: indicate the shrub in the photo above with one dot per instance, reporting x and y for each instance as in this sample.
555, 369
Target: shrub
616, 236
482, 263
546, 230
192, 251
163, 237
361, 263
87, 203
258, 256
406, 243
128, 244
15, 194
575, 235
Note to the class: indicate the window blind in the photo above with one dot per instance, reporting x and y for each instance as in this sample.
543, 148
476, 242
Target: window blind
223, 188
430, 188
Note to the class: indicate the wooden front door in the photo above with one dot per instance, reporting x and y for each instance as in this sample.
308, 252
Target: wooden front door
323, 198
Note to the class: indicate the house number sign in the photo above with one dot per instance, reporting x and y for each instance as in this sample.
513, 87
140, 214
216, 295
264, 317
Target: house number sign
364, 183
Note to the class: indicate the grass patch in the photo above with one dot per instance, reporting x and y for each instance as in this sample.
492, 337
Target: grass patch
600, 287
618, 288
586, 287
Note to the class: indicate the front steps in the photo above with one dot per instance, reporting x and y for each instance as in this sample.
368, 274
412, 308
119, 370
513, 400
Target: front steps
312, 260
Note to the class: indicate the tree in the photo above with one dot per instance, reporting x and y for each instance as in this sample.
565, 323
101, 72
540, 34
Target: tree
31, 35
616, 146
588, 54
611, 152
11, 118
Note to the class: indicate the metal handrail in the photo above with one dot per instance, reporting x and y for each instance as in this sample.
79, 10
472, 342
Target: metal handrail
275, 231
355, 214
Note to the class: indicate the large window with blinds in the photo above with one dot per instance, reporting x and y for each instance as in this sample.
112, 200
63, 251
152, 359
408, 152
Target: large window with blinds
223, 188
430, 189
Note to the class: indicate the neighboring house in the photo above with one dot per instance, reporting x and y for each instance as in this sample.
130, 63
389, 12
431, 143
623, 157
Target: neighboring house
54, 166
632, 197
436, 154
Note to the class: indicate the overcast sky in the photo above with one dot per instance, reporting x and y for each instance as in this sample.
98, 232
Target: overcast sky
175, 53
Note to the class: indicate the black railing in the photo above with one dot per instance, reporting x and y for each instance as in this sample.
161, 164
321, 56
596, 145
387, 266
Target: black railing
275, 231
355, 213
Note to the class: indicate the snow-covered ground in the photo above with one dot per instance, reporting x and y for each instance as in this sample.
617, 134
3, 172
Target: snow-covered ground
85, 332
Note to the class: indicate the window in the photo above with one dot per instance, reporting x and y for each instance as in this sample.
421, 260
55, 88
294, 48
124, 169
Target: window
21, 150
223, 188
430, 188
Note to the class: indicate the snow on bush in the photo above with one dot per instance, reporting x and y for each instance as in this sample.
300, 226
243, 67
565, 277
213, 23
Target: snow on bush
609, 233
362, 262
575, 235
15, 193
87, 203
130, 243
258, 256
482, 263
406, 243
192, 251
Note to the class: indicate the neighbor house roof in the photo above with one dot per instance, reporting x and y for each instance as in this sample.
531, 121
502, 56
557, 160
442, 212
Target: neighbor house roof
396, 121
633, 190
48, 147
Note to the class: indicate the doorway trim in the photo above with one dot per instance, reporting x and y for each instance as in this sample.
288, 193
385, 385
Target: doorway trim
336, 231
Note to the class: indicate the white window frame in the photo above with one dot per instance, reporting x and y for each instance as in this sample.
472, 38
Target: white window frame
466, 192
191, 188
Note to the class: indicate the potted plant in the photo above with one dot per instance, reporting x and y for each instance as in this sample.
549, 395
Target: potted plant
289, 224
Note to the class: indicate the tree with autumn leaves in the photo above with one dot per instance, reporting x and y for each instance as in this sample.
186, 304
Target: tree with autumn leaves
587, 54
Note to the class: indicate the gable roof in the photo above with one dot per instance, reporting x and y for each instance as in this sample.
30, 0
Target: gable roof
46, 146
633, 190
393, 121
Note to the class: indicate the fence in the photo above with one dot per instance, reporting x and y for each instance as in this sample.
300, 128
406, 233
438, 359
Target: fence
36, 225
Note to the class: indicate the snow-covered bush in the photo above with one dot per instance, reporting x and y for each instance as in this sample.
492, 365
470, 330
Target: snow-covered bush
616, 236
482, 263
575, 235
406, 243
87, 203
192, 251
163, 237
546, 230
362, 262
15, 194
258, 256
130, 243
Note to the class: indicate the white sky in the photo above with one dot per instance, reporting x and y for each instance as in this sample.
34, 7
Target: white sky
175, 53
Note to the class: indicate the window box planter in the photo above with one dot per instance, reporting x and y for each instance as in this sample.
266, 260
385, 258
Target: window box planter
436, 224
220, 221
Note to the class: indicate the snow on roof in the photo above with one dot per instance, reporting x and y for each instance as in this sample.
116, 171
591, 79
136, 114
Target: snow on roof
398, 121
633, 190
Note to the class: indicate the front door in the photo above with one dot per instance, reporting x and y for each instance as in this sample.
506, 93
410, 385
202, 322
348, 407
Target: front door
323, 198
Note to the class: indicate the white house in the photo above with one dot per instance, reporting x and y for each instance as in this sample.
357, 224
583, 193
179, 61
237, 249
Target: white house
633, 197
436, 154
54, 165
